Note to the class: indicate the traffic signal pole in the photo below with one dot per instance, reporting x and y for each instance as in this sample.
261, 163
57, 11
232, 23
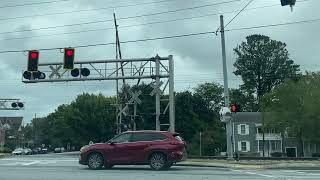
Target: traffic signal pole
226, 91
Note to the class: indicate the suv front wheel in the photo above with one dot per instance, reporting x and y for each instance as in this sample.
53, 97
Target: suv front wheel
95, 161
158, 161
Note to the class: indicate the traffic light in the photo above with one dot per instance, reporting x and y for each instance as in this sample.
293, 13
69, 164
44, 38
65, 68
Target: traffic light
288, 2
33, 61
68, 62
235, 108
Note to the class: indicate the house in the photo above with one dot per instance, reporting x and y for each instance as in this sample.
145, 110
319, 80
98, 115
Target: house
10, 124
248, 138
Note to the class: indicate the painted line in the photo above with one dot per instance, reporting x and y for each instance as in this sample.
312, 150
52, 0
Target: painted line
252, 173
30, 163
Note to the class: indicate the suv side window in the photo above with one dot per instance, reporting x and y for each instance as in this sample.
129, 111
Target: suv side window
123, 138
136, 137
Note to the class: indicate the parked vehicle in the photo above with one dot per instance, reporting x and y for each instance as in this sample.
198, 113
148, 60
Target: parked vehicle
17, 151
159, 149
36, 150
26, 151
59, 150
43, 151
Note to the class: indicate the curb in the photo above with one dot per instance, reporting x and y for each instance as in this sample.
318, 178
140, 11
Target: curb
236, 166
200, 165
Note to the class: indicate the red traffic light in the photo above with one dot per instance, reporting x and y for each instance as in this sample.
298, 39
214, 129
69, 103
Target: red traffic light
34, 55
70, 52
233, 108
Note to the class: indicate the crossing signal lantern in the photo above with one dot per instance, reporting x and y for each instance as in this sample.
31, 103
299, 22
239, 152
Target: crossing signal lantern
33, 61
17, 105
68, 62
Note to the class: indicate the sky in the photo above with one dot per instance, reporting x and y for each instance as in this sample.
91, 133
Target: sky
197, 58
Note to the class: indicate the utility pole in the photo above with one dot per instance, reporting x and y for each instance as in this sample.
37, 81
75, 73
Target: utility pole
157, 64
226, 91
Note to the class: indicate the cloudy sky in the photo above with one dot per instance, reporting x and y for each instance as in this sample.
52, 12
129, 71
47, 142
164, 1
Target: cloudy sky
197, 58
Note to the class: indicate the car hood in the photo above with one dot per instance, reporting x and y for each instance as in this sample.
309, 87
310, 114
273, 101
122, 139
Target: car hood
94, 146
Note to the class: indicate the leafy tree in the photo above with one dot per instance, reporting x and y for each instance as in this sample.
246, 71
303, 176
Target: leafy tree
293, 107
211, 93
263, 63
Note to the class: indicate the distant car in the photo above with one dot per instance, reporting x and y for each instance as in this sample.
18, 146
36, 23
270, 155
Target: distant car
59, 150
159, 149
43, 151
17, 151
36, 150
26, 151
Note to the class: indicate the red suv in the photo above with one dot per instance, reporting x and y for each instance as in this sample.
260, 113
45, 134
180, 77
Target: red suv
159, 149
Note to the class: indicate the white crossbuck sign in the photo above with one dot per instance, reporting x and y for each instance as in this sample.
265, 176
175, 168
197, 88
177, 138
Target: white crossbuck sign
55, 71
156, 89
135, 97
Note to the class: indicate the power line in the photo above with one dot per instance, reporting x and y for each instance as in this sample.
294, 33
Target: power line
236, 15
29, 4
170, 37
121, 6
274, 25
131, 17
112, 43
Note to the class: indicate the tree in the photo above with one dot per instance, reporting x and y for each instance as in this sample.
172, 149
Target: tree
293, 107
211, 93
263, 63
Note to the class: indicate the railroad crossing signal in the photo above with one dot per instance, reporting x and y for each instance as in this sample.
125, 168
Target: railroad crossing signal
11, 104
68, 62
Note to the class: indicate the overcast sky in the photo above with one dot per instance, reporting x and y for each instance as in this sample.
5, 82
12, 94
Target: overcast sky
197, 59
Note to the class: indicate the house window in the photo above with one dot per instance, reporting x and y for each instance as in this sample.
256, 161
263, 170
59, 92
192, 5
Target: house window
243, 129
243, 146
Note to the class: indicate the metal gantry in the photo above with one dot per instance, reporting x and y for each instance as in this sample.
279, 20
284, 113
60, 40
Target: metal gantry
154, 69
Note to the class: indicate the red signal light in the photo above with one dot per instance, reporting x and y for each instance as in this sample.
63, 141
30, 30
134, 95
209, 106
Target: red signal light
34, 55
70, 52
233, 108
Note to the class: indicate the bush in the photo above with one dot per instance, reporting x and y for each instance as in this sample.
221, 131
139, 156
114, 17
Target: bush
315, 154
6, 150
277, 154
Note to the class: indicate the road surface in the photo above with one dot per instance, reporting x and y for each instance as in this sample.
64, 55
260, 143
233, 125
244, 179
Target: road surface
65, 167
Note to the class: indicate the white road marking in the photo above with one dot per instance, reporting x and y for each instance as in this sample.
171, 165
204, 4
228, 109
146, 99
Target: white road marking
30, 163
252, 173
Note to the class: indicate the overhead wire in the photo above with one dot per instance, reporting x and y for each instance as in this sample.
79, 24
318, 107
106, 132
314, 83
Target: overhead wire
235, 15
29, 4
126, 26
120, 6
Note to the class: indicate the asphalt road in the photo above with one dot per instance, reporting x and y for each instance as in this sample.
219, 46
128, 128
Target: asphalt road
65, 167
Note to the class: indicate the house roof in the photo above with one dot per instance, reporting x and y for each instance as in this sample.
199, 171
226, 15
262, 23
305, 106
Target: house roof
254, 117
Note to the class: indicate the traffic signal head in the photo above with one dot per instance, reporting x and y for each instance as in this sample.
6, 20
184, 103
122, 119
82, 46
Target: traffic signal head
233, 108
287, 2
68, 62
33, 61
